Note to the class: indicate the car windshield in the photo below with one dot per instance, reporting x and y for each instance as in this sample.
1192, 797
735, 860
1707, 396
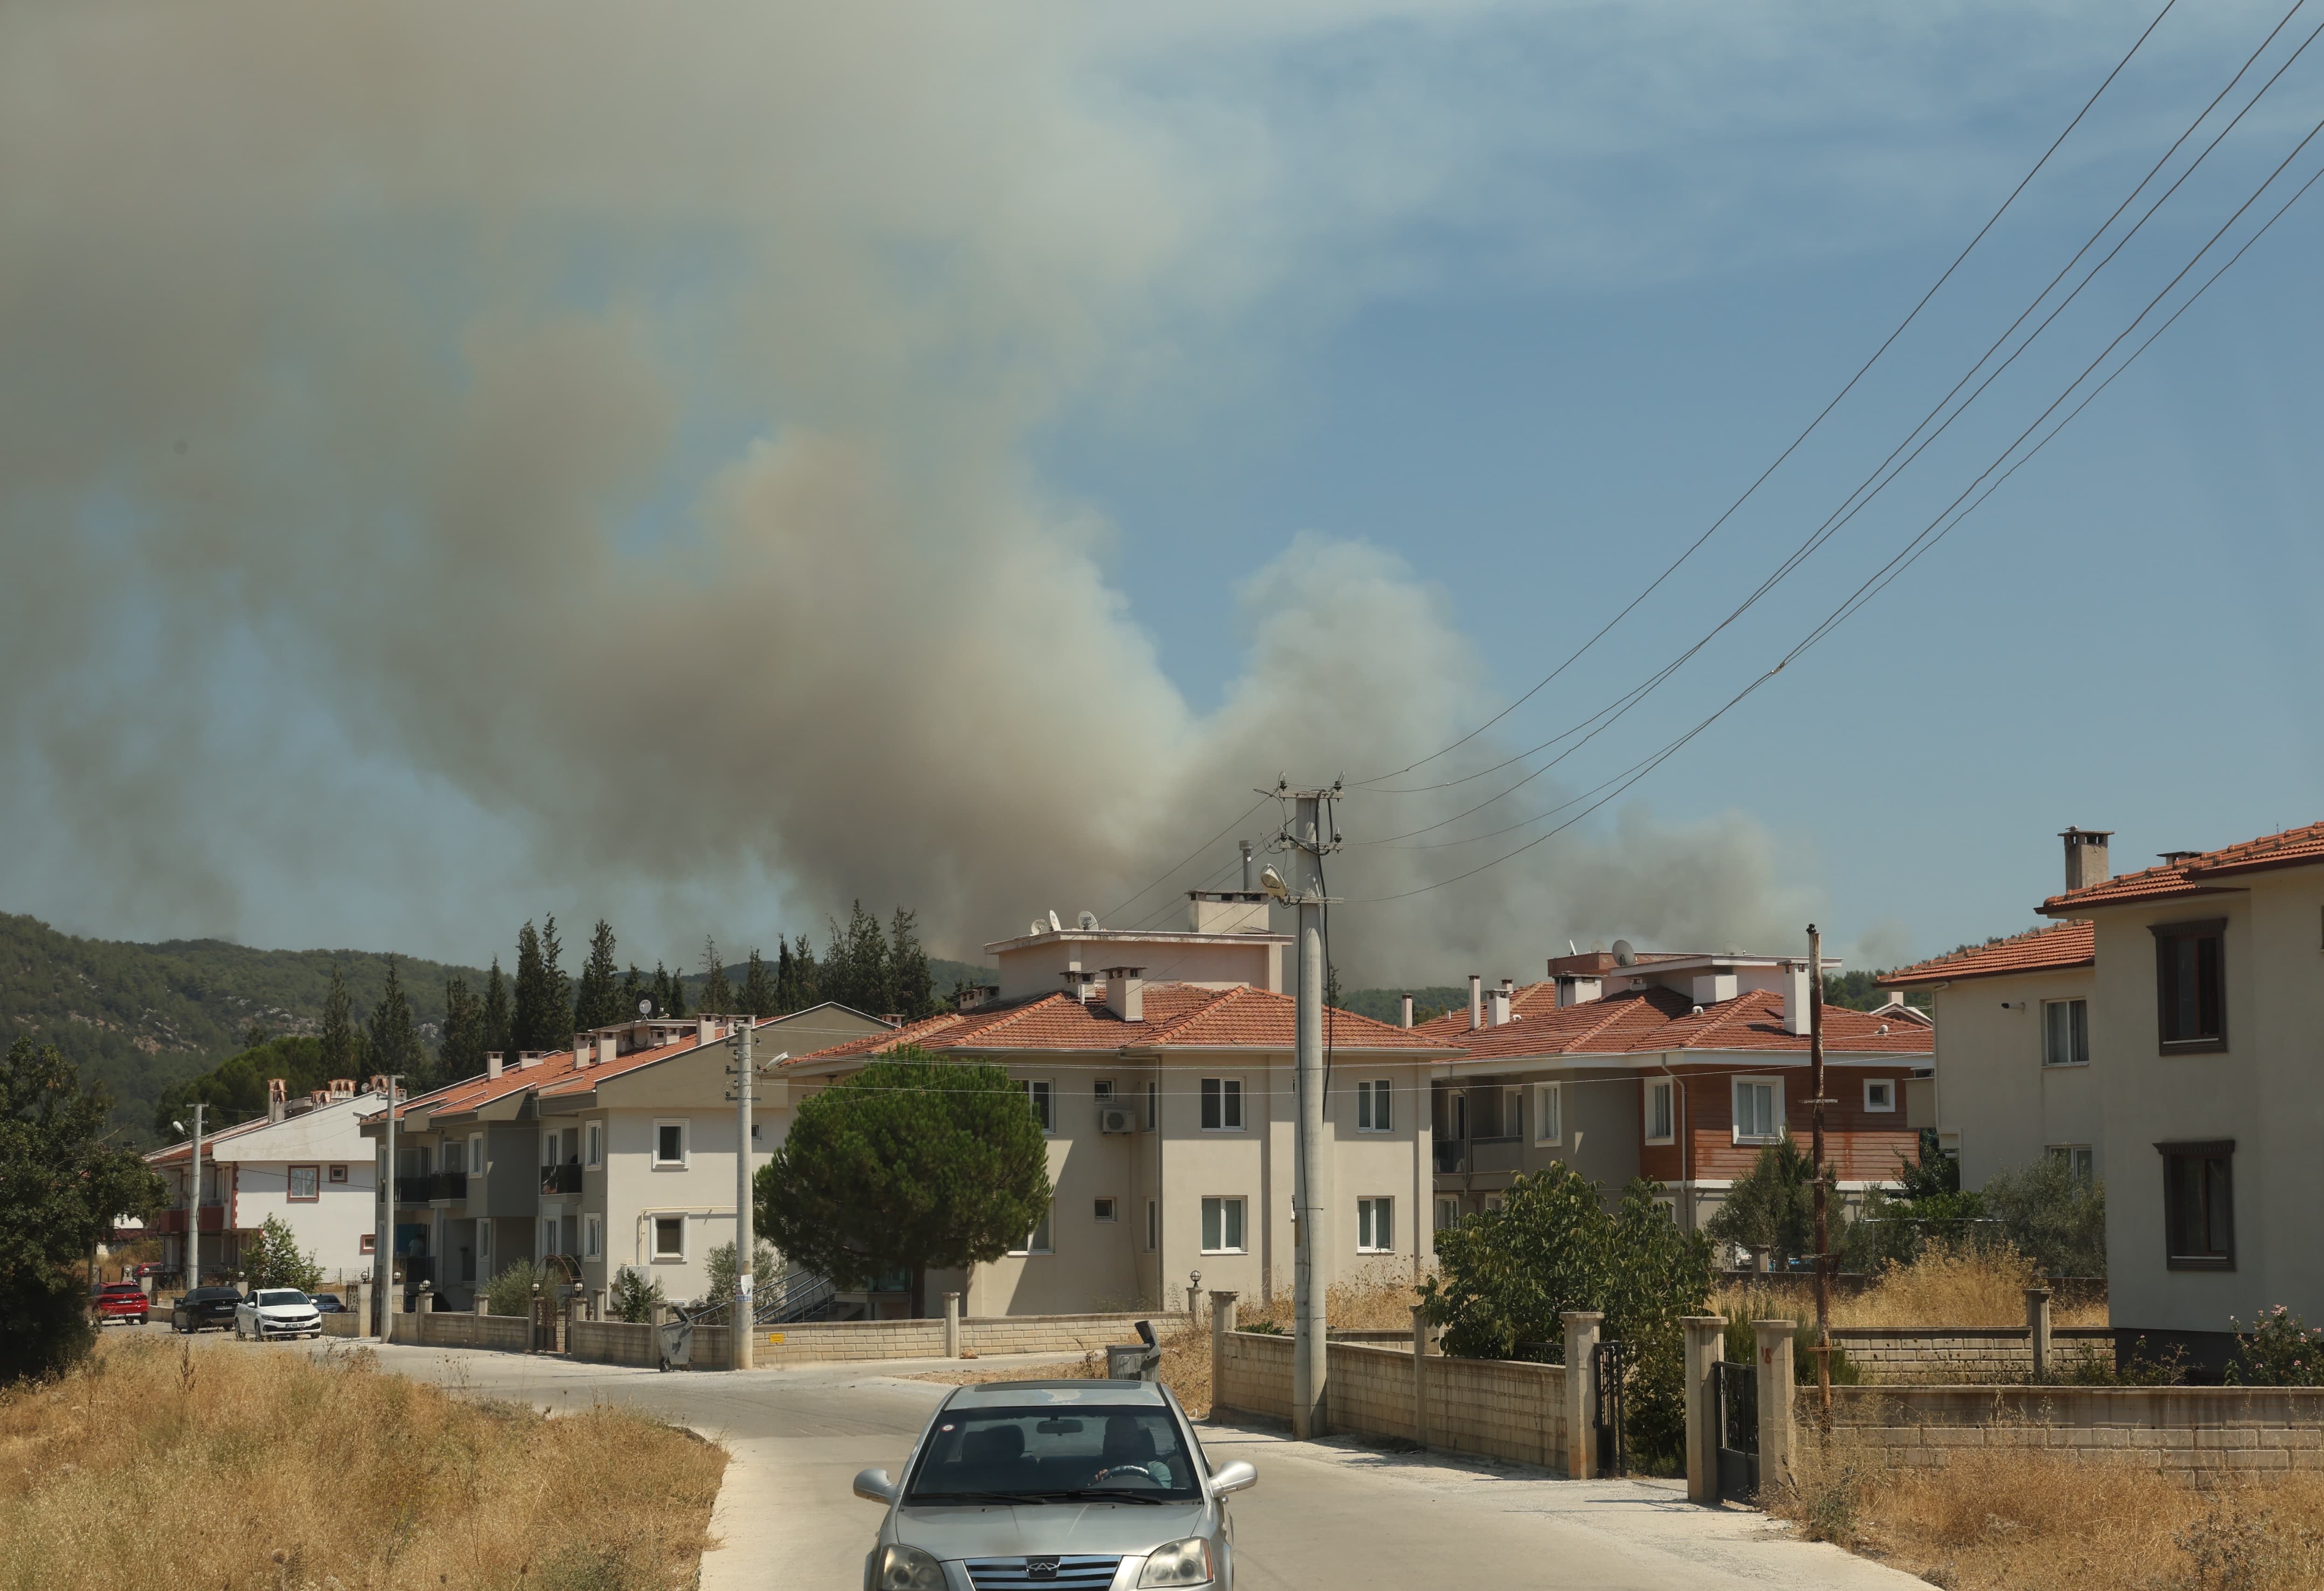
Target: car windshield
985, 1453
274, 1296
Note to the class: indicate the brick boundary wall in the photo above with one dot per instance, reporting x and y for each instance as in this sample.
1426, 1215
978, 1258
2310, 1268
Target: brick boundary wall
817, 1342
346, 1323
1958, 1355
2173, 1430
1496, 1408
444, 1329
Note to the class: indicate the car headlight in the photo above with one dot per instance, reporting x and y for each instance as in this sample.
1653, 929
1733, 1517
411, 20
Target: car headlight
1180, 1563
905, 1568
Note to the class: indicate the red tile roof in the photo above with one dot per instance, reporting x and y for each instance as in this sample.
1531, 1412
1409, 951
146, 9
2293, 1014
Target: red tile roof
1657, 1018
1178, 1016
2193, 875
555, 1074
2042, 949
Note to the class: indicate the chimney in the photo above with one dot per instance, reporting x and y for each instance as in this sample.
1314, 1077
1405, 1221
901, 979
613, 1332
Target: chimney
1250, 878
1405, 1021
528, 1058
492, 1065
1795, 997
343, 1087
1499, 1005
704, 1030
609, 1045
1125, 991
378, 1083
2086, 856
278, 1098
1476, 1002
584, 1046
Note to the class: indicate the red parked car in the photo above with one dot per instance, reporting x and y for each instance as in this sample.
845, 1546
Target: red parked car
121, 1300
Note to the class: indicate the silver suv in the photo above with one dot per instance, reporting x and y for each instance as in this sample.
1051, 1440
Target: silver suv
1025, 1485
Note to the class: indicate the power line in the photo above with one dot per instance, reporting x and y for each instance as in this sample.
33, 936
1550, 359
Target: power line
1821, 415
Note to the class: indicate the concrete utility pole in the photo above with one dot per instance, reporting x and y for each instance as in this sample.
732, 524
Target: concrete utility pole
382, 1258
1310, 835
1817, 1102
194, 1207
745, 1238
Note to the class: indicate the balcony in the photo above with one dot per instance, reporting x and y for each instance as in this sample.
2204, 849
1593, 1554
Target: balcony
1491, 1155
417, 1189
560, 1180
1452, 1157
174, 1221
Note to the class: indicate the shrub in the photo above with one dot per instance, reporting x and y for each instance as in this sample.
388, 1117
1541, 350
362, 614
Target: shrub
2055, 1217
1774, 1207
721, 1270
275, 1261
511, 1292
2278, 1351
635, 1296
1743, 1348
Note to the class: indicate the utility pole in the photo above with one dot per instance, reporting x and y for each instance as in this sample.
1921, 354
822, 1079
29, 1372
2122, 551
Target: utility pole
1822, 1229
1312, 833
745, 1239
194, 1207
382, 1258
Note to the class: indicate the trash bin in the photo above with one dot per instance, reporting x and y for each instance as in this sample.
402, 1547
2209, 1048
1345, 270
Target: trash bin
677, 1343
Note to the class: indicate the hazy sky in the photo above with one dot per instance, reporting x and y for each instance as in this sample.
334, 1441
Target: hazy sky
698, 469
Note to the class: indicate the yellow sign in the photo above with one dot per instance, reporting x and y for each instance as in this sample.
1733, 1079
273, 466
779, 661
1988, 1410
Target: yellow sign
774, 1339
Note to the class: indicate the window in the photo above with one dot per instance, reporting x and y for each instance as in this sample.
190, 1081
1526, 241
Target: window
2065, 1032
304, 1184
669, 1145
1153, 1226
1512, 1113
2190, 984
1375, 1225
1660, 1123
1758, 1110
1448, 1213
1221, 1105
1881, 1093
597, 1153
1153, 1106
1372, 1111
669, 1237
1042, 1096
368, 1244
592, 1237
1104, 1209
1549, 1112
339, 1173
456, 1156
1223, 1226
548, 1244
2077, 1158
1105, 1091
2198, 1204
549, 1142
476, 1153
1038, 1241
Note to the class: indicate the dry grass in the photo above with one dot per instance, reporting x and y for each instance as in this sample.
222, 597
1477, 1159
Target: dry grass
2001, 1521
263, 1470
1943, 1286
1380, 1300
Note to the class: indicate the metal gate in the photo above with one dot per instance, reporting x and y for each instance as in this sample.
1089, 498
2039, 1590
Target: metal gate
546, 1319
1607, 1365
1735, 1385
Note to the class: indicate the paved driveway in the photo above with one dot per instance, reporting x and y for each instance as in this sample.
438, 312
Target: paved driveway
1324, 1515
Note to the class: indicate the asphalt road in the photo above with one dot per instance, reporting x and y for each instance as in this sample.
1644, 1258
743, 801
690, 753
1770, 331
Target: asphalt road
1324, 1515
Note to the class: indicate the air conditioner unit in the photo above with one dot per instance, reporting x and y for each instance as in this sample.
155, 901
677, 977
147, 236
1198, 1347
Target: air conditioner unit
1114, 1120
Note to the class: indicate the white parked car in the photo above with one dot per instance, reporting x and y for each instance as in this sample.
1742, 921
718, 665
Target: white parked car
277, 1311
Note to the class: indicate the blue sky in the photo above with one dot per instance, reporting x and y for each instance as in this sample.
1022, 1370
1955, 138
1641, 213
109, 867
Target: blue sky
712, 472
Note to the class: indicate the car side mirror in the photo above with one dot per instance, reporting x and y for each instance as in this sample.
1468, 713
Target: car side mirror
874, 1487
1234, 1476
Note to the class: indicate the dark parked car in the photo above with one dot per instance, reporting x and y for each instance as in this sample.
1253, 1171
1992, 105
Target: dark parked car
327, 1303
204, 1307
120, 1300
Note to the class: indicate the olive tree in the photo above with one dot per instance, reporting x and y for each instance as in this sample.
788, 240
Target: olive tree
915, 1163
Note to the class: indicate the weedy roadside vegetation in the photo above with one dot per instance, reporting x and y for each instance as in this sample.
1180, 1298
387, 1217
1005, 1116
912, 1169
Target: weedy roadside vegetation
1945, 1284
266, 1470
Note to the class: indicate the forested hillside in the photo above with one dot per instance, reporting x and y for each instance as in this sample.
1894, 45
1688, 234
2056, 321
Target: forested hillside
137, 1018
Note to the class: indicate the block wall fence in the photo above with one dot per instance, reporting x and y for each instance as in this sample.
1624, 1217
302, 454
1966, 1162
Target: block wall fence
2188, 1430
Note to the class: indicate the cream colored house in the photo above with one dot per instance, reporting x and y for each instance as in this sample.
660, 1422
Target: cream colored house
1168, 1107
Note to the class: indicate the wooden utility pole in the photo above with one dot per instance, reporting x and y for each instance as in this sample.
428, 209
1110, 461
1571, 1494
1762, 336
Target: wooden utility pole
1817, 1101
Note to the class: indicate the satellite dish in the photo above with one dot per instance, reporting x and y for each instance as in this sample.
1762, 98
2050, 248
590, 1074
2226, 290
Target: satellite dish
1623, 954
1055, 926
645, 1008
1089, 921
1039, 928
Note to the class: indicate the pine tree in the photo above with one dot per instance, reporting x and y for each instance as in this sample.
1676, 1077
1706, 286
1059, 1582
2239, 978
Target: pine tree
462, 1052
908, 979
529, 1025
855, 966
757, 996
339, 1029
633, 989
718, 998
797, 977
670, 992
597, 998
557, 987
496, 1011
394, 1047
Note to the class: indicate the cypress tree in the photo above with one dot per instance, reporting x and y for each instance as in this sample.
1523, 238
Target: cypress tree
757, 996
496, 1011
798, 984
394, 1047
855, 968
555, 987
339, 1029
670, 992
462, 1052
633, 989
529, 1025
597, 998
909, 980
718, 998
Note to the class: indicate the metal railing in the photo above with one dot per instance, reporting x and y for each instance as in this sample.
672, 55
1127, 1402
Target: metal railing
1451, 1156
560, 1178
797, 1296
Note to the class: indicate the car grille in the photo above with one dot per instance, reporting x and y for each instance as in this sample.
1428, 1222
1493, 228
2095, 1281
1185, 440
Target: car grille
1023, 1574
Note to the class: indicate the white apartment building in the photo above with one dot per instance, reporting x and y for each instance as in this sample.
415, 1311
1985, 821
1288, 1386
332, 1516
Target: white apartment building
304, 1162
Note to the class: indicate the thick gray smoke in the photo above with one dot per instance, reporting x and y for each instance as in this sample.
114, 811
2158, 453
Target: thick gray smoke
457, 461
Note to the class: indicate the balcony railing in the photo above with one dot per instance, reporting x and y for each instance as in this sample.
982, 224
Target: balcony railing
560, 1178
1451, 1156
1496, 1154
417, 1189
449, 1185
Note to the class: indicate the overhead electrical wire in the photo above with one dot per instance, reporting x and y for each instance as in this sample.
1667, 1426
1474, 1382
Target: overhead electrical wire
1808, 429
